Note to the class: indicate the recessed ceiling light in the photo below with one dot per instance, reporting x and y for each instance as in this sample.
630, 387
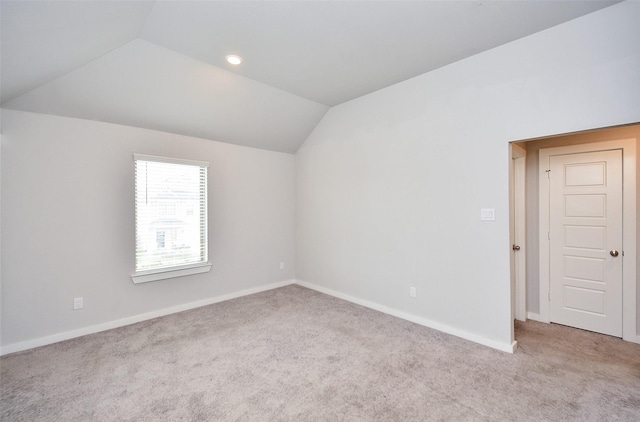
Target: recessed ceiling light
233, 59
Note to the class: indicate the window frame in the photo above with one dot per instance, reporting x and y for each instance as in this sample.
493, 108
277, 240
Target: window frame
154, 274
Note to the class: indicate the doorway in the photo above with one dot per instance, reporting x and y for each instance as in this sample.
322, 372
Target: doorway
537, 247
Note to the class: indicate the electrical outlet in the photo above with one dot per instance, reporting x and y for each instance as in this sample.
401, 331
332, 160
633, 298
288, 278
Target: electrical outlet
78, 303
412, 292
282, 265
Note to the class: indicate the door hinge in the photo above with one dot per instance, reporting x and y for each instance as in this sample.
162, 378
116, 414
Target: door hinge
548, 235
548, 173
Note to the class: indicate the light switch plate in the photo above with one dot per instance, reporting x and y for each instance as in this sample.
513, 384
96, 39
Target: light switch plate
488, 214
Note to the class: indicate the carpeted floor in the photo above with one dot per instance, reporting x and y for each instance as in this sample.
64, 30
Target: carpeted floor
295, 354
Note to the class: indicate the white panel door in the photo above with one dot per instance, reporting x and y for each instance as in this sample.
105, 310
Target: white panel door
585, 212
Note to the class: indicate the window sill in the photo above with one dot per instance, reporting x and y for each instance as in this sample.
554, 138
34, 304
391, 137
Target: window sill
163, 274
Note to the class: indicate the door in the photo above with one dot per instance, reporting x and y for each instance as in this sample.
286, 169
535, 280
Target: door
518, 223
585, 240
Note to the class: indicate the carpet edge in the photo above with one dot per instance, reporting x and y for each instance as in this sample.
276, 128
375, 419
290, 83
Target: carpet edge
503, 347
92, 329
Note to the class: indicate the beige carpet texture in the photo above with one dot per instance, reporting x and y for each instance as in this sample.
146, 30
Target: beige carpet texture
293, 354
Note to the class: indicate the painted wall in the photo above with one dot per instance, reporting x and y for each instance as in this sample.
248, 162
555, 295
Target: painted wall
68, 222
532, 200
389, 186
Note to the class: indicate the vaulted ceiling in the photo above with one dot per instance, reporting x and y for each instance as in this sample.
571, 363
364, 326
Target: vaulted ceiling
160, 64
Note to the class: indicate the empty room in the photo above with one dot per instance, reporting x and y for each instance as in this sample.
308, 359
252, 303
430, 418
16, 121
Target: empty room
319, 210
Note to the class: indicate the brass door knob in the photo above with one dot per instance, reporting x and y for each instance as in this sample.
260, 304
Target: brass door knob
613, 253
515, 247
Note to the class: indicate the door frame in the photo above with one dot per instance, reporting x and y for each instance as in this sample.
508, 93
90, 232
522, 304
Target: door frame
629, 298
518, 232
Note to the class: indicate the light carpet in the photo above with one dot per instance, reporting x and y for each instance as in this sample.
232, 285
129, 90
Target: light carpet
299, 355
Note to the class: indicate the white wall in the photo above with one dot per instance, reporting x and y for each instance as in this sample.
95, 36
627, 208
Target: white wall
68, 223
390, 186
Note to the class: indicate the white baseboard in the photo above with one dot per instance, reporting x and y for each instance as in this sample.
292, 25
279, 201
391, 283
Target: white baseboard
504, 347
534, 316
67, 335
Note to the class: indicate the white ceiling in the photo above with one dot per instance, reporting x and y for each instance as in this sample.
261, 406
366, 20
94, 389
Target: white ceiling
160, 64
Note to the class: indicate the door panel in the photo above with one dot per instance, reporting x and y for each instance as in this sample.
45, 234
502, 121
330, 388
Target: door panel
585, 206
592, 174
585, 300
582, 268
585, 224
584, 237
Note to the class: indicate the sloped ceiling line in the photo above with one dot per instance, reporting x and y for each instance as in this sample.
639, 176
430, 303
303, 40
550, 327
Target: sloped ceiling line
145, 23
144, 85
160, 64
41, 41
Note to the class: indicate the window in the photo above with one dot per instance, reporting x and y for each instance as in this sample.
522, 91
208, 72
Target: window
171, 218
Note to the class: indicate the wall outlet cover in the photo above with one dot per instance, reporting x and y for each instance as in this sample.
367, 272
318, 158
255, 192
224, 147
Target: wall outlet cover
78, 303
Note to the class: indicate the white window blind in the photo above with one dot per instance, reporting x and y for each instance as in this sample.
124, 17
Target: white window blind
170, 214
